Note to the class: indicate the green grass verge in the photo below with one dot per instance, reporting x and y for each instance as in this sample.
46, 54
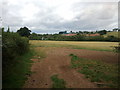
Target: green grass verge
57, 83
96, 71
16, 75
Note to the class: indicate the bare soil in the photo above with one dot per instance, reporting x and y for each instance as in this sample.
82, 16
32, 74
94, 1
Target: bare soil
57, 61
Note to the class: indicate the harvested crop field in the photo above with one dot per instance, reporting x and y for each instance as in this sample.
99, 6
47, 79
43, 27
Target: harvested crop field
51, 61
97, 46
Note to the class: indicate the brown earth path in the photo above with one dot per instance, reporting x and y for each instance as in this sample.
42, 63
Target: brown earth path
57, 61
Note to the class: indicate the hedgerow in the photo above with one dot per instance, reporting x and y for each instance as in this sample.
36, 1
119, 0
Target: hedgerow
13, 45
15, 59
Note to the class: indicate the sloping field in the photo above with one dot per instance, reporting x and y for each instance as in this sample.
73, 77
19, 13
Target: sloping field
115, 34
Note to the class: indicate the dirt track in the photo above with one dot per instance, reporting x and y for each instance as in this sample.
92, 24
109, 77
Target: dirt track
58, 62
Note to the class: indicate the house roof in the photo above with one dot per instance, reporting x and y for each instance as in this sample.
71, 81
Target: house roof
69, 34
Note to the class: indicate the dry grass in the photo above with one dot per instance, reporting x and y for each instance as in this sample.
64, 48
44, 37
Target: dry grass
100, 46
40, 52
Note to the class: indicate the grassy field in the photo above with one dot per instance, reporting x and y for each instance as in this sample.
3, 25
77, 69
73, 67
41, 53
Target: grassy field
100, 46
115, 34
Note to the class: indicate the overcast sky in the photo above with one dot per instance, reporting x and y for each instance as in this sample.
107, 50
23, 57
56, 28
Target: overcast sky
52, 16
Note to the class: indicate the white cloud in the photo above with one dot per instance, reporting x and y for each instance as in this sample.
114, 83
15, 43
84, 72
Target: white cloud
51, 16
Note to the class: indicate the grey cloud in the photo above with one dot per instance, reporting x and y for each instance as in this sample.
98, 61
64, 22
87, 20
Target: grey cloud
11, 16
87, 16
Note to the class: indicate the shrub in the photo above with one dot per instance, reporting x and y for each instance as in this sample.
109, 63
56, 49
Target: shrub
117, 48
13, 46
16, 60
112, 39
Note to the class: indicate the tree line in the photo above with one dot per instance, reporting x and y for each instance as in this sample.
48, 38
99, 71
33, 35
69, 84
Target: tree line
80, 35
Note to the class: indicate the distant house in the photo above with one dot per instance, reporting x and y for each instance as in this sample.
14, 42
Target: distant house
96, 34
69, 34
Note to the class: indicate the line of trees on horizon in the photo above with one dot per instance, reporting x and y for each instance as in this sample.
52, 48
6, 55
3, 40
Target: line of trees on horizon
80, 36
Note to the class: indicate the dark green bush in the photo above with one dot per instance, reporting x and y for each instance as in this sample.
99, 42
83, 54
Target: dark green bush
13, 45
16, 61
94, 38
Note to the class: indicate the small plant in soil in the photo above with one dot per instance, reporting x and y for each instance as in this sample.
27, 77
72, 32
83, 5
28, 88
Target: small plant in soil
57, 83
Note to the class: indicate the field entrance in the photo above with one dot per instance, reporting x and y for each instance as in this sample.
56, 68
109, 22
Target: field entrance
52, 66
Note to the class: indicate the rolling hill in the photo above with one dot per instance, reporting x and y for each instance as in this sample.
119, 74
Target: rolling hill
115, 34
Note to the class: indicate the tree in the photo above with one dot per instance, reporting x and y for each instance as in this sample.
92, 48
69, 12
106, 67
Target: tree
2, 29
116, 29
71, 32
8, 29
102, 32
80, 32
63, 32
34, 36
24, 32
86, 32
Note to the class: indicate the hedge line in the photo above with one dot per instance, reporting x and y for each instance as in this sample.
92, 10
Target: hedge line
13, 68
13, 45
74, 38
